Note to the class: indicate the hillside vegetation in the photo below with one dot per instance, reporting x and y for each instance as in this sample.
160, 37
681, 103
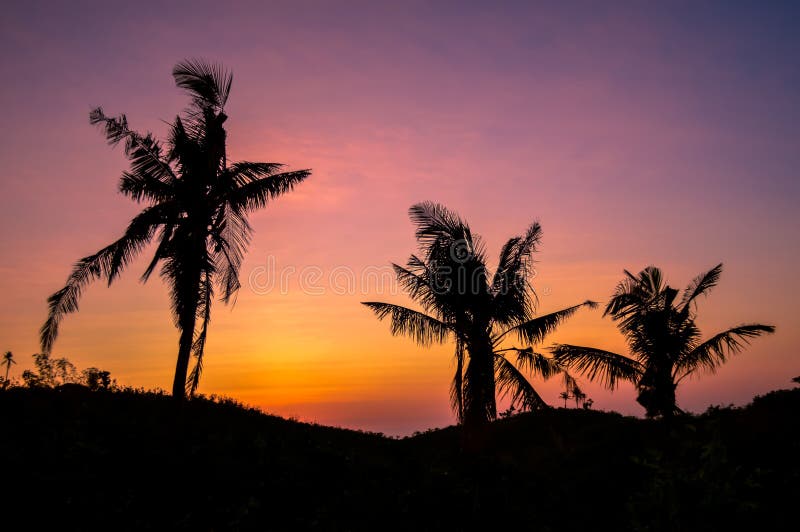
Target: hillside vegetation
141, 461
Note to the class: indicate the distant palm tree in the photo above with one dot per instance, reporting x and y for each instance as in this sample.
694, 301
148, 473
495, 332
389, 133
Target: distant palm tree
663, 339
479, 311
196, 208
566, 397
579, 396
8, 359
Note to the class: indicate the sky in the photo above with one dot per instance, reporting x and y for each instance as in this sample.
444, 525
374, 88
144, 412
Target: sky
636, 133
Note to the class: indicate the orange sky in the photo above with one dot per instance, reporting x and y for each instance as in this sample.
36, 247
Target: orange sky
635, 136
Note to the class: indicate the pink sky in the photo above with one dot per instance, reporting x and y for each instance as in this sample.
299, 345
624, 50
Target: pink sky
636, 135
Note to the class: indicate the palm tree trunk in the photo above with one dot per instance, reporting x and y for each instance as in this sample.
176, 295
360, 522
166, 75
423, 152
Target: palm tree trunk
480, 405
186, 324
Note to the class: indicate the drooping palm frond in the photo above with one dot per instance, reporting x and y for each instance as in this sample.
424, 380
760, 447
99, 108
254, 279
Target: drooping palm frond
532, 362
700, 285
512, 383
417, 283
596, 364
712, 353
533, 331
106, 263
199, 344
457, 386
424, 329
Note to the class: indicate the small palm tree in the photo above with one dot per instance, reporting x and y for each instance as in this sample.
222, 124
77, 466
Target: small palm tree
8, 359
196, 208
463, 302
663, 339
566, 397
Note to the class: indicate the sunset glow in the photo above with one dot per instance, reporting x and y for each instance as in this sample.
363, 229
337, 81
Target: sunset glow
637, 134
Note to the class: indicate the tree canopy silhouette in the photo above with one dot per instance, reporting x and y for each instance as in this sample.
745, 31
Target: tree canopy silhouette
663, 339
461, 301
196, 209
8, 360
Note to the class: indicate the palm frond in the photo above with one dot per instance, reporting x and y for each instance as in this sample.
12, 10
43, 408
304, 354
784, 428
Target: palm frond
106, 263
534, 331
199, 344
536, 363
512, 383
143, 152
634, 291
207, 83
434, 221
712, 353
457, 386
700, 285
596, 364
514, 258
256, 193
424, 329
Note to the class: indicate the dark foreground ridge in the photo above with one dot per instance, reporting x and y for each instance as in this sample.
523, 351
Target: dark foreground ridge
79, 460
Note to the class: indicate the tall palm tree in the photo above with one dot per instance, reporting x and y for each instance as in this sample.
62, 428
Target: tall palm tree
462, 302
196, 209
8, 359
663, 339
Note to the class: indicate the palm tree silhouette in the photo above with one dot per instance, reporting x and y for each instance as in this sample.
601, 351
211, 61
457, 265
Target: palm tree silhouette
663, 339
196, 208
566, 397
8, 359
579, 396
460, 300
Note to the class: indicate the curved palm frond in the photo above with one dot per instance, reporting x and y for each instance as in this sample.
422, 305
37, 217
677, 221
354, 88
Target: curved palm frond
700, 285
207, 83
514, 257
634, 292
512, 383
457, 386
712, 353
424, 329
434, 221
536, 363
106, 263
199, 344
533, 331
256, 193
605, 366
514, 299
143, 152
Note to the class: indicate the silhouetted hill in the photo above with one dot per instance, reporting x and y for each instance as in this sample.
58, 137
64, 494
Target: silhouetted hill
123, 461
